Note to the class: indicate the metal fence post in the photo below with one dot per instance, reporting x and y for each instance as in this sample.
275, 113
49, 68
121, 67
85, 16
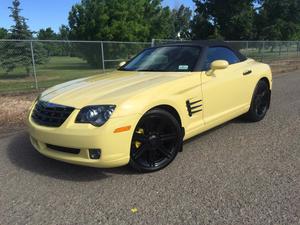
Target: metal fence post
33, 66
298, 46
280, 46
247, 48
102, 56
262, 51
152, 42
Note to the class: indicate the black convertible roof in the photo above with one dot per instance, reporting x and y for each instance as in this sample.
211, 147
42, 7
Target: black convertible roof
203, 43
207, 44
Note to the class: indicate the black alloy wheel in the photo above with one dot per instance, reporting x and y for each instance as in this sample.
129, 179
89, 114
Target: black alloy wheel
260, 102
156, 141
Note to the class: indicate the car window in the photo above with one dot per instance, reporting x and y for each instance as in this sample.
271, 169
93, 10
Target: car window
220, 53
167, 59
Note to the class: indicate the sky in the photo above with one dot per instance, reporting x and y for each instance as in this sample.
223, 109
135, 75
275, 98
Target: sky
54, 13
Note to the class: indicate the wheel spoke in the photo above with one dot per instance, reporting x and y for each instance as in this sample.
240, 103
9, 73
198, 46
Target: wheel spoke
162, 149
168, 137
150, 159
140, 151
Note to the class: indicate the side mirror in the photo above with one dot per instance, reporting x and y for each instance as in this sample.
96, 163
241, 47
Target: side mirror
122, 64
219, 65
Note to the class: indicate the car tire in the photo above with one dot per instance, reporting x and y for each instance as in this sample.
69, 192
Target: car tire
260, 102
156, 141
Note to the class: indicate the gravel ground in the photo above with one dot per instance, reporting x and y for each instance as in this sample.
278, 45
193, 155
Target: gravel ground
239, 173
14, 108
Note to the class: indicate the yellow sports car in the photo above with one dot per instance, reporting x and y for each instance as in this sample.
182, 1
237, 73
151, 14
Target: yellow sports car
141, 113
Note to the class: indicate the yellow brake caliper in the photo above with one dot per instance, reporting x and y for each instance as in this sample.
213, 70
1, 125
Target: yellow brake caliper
137, 143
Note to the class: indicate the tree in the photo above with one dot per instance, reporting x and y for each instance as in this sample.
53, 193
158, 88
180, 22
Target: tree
159, 21
107, 20
278, 20
64, 32
20, 30
46, 34
15, 54
230, 19
3, 33
53, 49
182, 18
118, 20
201, 26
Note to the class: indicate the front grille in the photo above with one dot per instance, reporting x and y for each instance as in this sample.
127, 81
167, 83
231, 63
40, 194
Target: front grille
49, 114
63, 149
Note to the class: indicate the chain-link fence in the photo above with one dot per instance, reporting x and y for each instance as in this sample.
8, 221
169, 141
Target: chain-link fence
27, 65
268, 51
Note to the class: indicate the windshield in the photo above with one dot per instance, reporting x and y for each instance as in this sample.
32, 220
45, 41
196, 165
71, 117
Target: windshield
167, 59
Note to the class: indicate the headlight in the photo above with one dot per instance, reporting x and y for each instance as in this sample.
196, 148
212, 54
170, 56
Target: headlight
95, 115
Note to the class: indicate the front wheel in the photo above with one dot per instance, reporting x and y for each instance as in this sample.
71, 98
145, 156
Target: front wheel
156, 141
260, 102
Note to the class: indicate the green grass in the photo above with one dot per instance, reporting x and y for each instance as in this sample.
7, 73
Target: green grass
55, 71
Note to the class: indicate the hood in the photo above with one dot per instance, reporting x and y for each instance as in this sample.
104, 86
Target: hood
108, 88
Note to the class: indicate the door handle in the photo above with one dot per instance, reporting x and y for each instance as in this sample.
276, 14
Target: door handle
247, 72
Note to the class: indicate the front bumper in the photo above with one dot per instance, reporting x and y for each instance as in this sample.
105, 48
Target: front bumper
115, 147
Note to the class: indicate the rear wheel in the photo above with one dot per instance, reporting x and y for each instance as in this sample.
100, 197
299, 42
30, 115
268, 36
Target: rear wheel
260, 102
156, 141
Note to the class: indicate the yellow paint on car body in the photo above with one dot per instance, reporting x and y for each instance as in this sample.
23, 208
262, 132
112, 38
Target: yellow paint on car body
224, 95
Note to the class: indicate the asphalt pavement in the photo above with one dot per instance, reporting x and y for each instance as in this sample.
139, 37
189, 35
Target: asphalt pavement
239, 173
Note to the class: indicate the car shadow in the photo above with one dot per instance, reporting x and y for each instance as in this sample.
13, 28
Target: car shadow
240, 120
24, 156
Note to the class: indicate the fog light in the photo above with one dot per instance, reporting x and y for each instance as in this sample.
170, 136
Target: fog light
94, 153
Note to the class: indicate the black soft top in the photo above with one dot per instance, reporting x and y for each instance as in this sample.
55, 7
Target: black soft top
207, 44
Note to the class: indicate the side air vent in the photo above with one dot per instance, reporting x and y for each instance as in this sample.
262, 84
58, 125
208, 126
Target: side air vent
193, 107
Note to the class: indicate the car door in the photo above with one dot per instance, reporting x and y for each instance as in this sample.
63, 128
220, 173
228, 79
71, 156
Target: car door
222, 89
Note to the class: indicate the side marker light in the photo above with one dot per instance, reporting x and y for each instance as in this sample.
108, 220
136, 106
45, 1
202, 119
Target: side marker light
122, 129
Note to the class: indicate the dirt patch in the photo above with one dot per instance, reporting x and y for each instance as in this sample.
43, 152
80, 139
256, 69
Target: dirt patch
284, 66
13, 111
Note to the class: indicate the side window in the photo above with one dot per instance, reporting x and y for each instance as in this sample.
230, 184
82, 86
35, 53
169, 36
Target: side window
220, 53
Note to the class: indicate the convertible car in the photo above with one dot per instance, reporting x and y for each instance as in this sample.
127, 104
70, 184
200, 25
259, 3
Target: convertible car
141, 113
